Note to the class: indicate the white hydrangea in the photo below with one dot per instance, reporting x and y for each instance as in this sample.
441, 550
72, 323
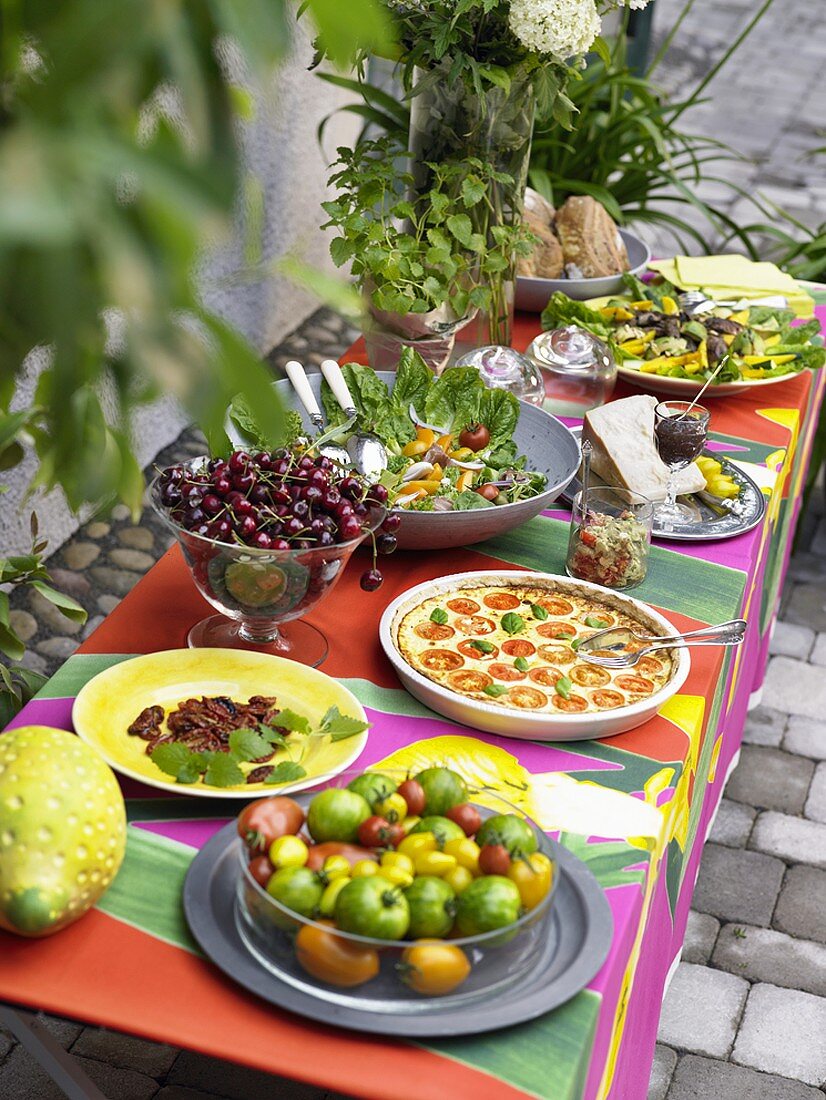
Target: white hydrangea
561, 28
638, 4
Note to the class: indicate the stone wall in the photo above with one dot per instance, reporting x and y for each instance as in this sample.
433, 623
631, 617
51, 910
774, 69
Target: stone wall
282, 151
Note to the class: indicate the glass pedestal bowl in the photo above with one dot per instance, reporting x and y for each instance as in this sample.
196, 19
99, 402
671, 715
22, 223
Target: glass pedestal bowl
261, 594
496, 959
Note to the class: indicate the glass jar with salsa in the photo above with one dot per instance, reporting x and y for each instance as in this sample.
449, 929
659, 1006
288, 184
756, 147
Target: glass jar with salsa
610, 537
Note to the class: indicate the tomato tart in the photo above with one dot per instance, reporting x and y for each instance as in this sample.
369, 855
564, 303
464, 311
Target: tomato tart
514, 645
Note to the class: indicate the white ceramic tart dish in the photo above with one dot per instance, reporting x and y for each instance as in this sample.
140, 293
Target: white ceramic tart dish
497, 651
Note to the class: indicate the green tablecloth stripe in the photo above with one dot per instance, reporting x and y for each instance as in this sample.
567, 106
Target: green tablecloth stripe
562, 1036
152, 859
77, 671
677, 582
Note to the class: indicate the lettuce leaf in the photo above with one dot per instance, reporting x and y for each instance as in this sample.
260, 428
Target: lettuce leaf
562, 310
452, 401
499, 412
413, 379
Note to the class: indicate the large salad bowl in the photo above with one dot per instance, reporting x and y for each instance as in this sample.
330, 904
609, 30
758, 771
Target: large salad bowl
549, 447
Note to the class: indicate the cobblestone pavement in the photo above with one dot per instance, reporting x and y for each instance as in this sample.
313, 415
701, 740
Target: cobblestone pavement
745, 1017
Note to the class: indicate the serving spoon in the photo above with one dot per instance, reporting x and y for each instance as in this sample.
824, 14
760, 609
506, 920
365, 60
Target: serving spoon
618, 638
301, 384
366, 451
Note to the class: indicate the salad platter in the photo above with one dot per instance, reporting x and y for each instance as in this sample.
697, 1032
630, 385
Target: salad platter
498, 652
711, 518
451, 486
662, 349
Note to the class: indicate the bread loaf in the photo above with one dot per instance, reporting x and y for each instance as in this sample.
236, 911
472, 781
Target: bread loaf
624, 452
591, 243
545, 261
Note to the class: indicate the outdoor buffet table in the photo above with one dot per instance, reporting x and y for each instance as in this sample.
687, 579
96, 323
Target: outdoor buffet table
636, 808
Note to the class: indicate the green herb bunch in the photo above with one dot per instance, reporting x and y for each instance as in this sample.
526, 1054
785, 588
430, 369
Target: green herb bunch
414, 257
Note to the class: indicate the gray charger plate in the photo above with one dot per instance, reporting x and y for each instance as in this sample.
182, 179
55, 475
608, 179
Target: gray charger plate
707, 526
581, 930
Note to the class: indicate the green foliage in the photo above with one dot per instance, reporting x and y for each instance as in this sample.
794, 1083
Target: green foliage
414, 258
119, 159
17, 683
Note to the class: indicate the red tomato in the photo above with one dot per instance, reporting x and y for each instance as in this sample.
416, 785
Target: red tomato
351, 852
413, 793
475, 436
261, 870
494, 859
266, 819
467, 817
378, 832
488, 491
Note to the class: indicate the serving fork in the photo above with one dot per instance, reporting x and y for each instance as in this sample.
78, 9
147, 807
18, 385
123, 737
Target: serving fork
618, 638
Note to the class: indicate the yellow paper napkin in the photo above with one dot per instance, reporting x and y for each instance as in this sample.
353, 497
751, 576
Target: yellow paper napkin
734, 276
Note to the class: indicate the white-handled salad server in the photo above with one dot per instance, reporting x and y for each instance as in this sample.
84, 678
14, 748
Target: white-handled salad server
365, 450
617, 639
694, 301
301, 384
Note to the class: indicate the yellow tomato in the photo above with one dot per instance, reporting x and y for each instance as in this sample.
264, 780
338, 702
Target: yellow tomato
393, 808
336, 867
434, 863
445, 442
327, 904
364, 868
415, 447
426, 436
433, 967
466, 852
533, 877
288, 851
458, 879
417, 842
397, 859
398, 876
410, 823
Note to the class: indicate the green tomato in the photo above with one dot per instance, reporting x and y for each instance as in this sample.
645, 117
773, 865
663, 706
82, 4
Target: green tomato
511, 831
442, 828
432, 907
373, 906
489, 902
443, 788
336, 814
297, 888
373, 786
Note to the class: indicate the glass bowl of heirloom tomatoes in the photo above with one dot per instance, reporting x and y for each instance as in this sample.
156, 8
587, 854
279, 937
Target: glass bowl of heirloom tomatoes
266, 536
385, 890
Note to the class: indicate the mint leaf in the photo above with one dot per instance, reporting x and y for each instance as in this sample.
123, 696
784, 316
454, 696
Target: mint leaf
495, 690
596, 624
438, 615
274, 737
521, 664
512, 623
482, 645
563, 687
285, 772
246, 744
288, 719
538, 611
340, 726
223, 771
184, 765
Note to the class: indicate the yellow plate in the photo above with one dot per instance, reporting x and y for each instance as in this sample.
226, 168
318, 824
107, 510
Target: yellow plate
109, 703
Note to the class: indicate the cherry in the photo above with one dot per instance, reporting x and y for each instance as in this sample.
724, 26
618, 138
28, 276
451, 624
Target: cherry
301, 509
331, 497
246, 527
262, 460
260, 494
239, 461
293, 527
391, 523
386, 544
222, 485
303, 544
279, 544
360, 509
243, 507
223, 527
350, 487
262, 540
326, 539
377, 493
371, 580
170, 496
349, 528
193, 516
244, 482
212, 504
313, 494
318, 478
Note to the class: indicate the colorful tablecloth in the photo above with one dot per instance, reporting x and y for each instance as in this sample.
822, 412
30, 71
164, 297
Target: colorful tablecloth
636, 808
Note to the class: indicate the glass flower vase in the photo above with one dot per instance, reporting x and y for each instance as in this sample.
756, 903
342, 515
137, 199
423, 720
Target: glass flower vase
449, 118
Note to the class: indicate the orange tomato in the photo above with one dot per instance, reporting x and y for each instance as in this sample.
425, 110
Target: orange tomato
433, 967
333, 959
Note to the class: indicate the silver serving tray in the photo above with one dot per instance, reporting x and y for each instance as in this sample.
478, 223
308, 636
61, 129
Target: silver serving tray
707, 525
580, 932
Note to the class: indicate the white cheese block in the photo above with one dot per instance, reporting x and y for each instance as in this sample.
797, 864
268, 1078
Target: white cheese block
624, 452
